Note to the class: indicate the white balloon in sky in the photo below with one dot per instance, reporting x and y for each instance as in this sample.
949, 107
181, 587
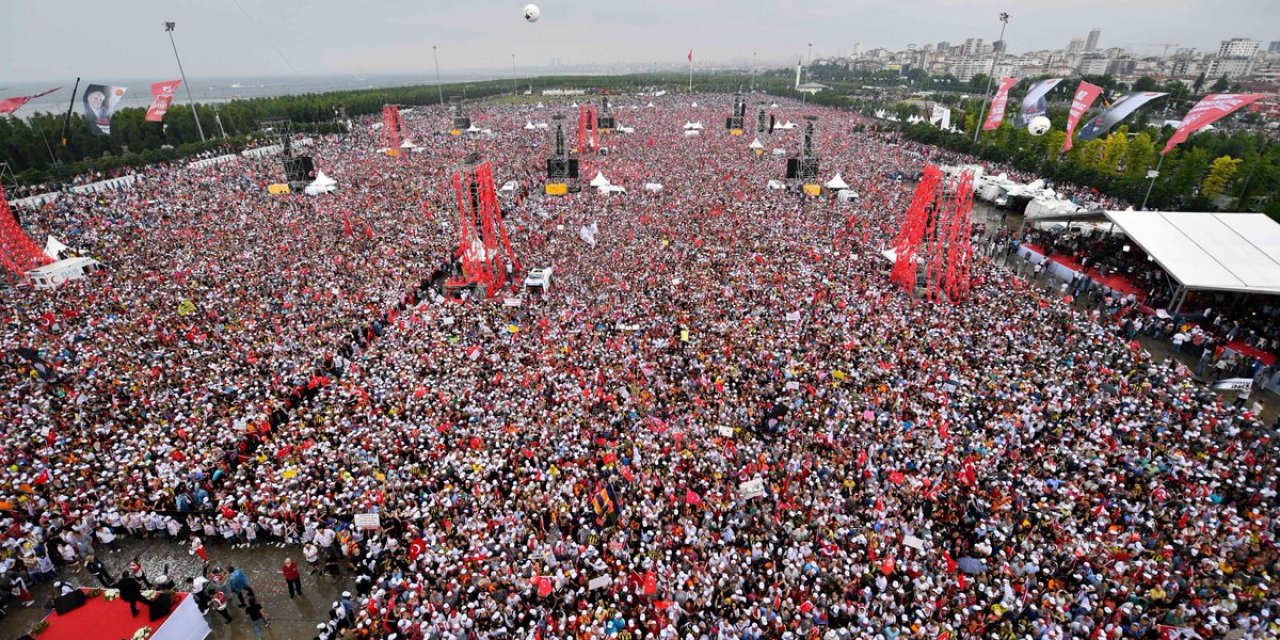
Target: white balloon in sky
532, 13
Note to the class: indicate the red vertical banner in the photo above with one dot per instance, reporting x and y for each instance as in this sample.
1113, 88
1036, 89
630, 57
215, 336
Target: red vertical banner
998, 104
161, 97
1211, 109
1085, 95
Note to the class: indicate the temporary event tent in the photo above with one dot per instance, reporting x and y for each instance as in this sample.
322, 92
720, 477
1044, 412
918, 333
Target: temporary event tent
54, 275
322, 184
836, 183
599, 180
693, 125
755, 144
1237, 252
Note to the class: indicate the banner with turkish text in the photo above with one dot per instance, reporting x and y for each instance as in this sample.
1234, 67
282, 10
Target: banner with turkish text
9, 105
100, 102
998, 104
161, 97
1034, 104
1085, 95
1211, 109
1120, 109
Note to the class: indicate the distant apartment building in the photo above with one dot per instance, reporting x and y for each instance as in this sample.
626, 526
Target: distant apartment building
1274, 47
1094, 65
1075, 46
1239, 48
964, 69
1092, 43
1230, 68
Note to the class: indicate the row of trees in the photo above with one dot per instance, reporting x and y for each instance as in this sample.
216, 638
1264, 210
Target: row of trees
1236, 170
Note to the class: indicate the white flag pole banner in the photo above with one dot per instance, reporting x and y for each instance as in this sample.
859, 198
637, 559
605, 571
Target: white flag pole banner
751, 489
1234, 384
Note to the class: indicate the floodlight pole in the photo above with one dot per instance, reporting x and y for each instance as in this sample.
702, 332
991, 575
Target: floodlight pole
168, 27
753, 71
515, 85
977, 124
439, 87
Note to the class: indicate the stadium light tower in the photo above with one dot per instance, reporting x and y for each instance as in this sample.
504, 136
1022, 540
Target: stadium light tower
168, 28
977, 124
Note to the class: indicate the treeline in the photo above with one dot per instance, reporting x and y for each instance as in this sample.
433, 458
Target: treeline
1235, 170
35, 153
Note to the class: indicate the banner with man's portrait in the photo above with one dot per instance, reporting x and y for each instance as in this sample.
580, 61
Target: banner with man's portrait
100, 102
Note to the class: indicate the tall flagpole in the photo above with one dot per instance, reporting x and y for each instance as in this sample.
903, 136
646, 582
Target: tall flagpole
168, 27
691, 71
977, 124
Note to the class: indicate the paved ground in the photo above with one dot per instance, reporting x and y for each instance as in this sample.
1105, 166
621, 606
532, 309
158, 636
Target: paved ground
292, 619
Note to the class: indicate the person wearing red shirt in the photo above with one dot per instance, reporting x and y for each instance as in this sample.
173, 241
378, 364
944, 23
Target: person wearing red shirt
292, 577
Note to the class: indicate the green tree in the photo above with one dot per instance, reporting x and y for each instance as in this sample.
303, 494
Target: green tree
979, 81
1198, 85
1139, 156
1146, 83
1221, 85
1113, 150
1220, 175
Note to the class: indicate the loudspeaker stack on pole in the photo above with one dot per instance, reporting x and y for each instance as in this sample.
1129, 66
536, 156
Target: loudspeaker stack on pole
460, 121
803, 169
588, 130
736, 123
561, 169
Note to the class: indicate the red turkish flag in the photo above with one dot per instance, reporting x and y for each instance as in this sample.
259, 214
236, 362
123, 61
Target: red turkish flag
161, 97
416, 548
691, 55
650, 584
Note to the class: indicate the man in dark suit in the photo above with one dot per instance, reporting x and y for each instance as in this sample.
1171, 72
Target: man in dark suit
96, 110
131, 592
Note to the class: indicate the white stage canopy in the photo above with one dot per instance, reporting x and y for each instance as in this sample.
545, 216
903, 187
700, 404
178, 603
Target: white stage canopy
1237, 252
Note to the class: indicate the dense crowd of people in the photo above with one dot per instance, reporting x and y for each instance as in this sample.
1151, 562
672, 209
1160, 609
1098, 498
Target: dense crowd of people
722, 421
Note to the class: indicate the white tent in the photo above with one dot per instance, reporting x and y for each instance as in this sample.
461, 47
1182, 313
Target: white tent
694, 125
528, 126
52, 276
52, 248
755, 144
836, 183
599, 180
540, 105
1209, 251
695, 104
777, 185
650, 106
846, 195
322, 184
473, 128
784, 125
653, 186
408, 144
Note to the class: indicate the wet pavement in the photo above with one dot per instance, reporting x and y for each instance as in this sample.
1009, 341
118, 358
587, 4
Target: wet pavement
291, 618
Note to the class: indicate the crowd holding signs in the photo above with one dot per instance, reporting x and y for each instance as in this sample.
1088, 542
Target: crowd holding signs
723, 422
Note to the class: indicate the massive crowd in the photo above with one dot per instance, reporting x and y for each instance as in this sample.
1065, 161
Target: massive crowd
722, 421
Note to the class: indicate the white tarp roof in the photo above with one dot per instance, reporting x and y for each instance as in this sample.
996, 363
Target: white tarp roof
599, 180
836, 183
755, 144
1209, 251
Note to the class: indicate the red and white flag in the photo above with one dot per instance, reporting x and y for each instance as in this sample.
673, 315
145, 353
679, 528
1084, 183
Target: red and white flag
1085, 95
1170, 632
998, 104
691, 55
161, 98
1211, 109
9, 105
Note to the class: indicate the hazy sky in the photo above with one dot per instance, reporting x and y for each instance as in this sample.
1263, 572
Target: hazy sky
59, 39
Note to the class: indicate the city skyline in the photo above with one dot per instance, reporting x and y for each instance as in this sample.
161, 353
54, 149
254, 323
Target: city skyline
296, 38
